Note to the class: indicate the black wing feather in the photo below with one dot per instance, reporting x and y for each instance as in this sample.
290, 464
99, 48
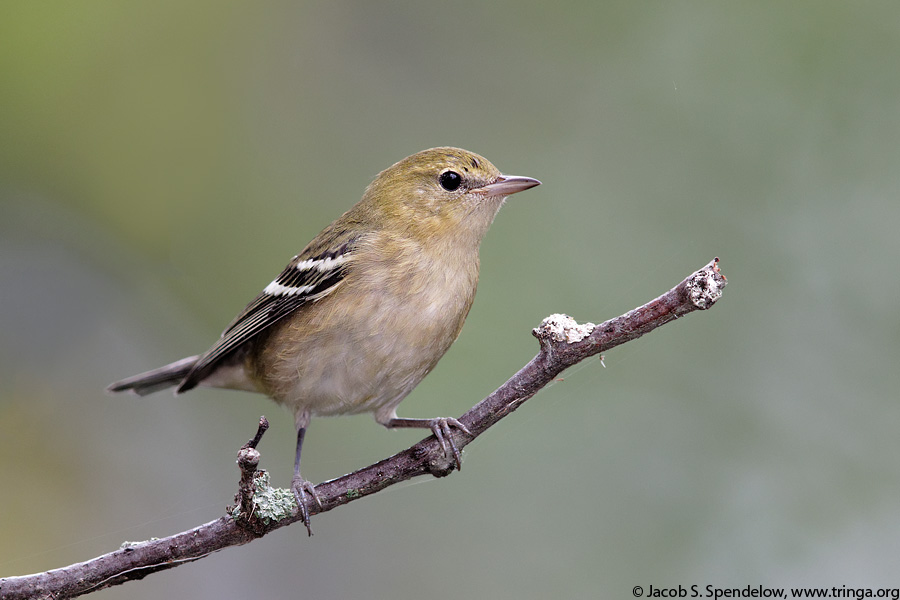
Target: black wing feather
292, 289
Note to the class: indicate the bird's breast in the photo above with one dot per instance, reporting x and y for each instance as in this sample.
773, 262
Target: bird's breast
364, 347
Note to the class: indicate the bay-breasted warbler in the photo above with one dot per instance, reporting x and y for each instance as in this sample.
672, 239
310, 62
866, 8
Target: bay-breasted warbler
366, 310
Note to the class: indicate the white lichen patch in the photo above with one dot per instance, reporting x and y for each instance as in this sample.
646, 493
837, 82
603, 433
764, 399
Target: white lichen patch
705, 288
126, 545
563, 328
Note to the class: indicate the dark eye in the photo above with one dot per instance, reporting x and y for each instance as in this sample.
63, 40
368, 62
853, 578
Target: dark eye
450, 180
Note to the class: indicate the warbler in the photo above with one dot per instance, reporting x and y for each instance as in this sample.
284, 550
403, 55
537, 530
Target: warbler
366, 310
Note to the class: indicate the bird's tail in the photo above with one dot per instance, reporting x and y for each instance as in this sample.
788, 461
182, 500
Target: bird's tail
157, 379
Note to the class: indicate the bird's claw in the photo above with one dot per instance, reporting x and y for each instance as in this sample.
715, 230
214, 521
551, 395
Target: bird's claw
441, 429
301, 487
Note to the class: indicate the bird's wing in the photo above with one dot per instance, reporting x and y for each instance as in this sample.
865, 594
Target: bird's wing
311, 275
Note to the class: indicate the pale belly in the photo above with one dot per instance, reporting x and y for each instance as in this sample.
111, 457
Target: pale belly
334, 363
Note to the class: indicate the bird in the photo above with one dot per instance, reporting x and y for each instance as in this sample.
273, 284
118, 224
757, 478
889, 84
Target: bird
366, 310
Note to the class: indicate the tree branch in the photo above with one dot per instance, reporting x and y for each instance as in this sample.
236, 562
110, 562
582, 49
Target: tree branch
260, 508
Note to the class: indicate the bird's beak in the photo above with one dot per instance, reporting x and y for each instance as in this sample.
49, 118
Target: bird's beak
508, 184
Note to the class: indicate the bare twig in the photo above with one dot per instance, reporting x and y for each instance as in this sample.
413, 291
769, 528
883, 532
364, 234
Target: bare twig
260, 430
261, 508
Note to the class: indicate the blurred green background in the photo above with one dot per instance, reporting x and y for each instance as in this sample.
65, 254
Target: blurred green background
160, 162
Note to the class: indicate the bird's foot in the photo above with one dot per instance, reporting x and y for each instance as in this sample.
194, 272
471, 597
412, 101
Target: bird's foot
441, 428
301, 487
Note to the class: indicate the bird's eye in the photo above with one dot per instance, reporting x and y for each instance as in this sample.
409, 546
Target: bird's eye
450, 180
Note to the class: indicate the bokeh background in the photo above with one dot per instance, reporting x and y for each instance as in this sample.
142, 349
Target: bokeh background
160, 162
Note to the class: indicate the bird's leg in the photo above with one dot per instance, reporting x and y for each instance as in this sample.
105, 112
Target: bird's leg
299, 486
440, 427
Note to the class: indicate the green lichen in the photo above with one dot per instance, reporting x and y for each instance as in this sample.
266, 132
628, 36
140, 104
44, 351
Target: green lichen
271, 504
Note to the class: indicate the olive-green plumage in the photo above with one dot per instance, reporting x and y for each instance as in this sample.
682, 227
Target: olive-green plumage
366, 310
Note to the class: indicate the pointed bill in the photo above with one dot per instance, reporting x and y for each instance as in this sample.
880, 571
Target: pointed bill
508, 184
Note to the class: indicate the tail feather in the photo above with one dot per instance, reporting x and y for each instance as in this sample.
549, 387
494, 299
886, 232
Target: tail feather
157, 379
